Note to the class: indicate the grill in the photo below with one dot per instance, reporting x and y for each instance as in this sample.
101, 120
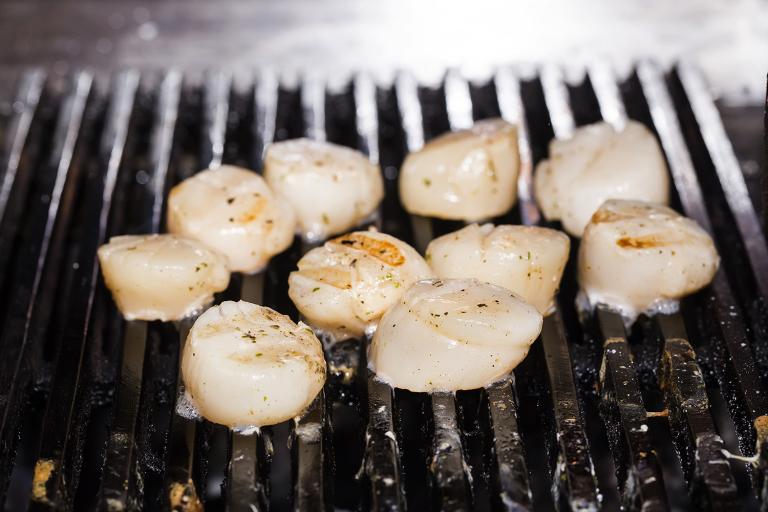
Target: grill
669, 414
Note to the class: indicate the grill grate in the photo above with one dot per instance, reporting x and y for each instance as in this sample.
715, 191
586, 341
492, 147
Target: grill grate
595, 416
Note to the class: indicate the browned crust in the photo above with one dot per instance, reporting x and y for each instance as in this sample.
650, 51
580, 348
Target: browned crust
382, 250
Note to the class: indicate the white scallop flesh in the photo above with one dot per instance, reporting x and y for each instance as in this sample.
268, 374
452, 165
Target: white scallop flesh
161, 277
233, 211
246, 365
596, 164
343, 287
331, 188
465, 175
452, 334
639, 257
527, 260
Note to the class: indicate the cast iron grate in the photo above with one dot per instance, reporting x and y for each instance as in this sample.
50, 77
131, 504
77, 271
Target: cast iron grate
595, 417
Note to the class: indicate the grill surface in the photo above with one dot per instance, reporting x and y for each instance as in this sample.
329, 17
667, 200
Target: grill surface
595, 416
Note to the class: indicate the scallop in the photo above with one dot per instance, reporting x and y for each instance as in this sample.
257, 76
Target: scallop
345, 286
596, 164
246, 365
234, 211
452, 334
331, 188
161, 277
527, 260
465, 175
641, 257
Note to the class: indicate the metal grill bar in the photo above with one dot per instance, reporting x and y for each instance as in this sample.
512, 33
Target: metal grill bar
182, 490
119, 489
511, 107
514, 491
25, 106
452, 488
700, 448
729, 173
313, 105
366, 116
310, 455
59, 422
574, 479
181, 487
382, 460
608, 97
637, 465
216, 109
512, 473
637, 469
737, 375
17, 175
451, 491
382, 456
407, 91
38, 266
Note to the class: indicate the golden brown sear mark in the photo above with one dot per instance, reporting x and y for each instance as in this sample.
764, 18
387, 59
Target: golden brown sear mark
640, 242
382, 250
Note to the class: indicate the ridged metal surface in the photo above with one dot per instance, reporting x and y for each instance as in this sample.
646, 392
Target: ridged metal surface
596, 416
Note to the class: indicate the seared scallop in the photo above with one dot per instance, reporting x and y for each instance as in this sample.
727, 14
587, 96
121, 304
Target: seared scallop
451, 334
331, 188
161, 277
465, 175
596, 164
640, 257
246, 365
527, 260
343, 287
232, 210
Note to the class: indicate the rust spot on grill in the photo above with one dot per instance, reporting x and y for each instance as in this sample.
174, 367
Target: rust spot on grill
183, 497
43, 471
382, 250
761, 427
640, 242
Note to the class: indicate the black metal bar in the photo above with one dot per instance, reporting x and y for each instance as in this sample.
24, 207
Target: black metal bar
512, 109
247, 488
637, 465
514, 491
511, 470
120, 479
25, 106
311, 481
182, 490
382, 457
700, 448
408, 103
38, 266
452, 490
216, 108
574, 481
53, 491
366, 116
738, 366
728, 172
313, 107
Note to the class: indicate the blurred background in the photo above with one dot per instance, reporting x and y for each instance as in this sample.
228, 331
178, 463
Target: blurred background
727, 39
